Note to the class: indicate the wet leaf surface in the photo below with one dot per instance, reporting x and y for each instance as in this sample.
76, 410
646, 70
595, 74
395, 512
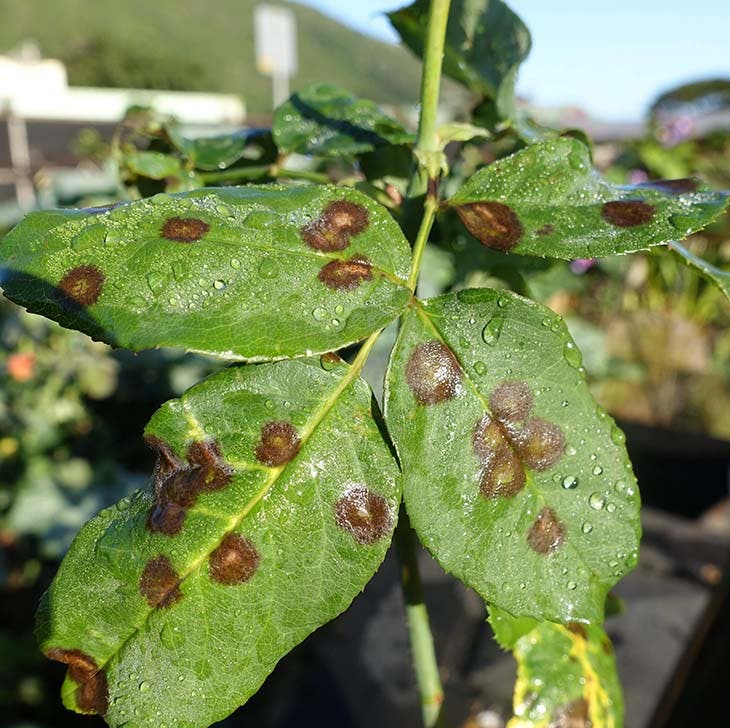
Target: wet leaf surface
240, 272
274, 501
513, 477
548, 200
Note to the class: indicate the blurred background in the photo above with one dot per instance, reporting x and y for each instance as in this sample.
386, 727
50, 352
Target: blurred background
648, 83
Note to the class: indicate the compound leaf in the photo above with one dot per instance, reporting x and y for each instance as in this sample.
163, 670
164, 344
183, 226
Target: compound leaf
485, 45
548, 200
239, 272
566, 674
274, 503
513, 477
327, 121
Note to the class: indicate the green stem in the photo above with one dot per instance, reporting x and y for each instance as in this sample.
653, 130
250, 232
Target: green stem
419, 630
424, 180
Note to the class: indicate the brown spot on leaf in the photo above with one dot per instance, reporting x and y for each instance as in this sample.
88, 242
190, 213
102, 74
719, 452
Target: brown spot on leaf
92, 693
160, 583
511, 402
673, 186
346, 275
578, 629
82, 286
278, 445
493, 224
573, 715
541, 444
546, 230
433, 373
606, 646
332, 230
627, 213
365, 515
184, 229
234, 561
166, 517
547, 533
502, 475
167, 461
214, 472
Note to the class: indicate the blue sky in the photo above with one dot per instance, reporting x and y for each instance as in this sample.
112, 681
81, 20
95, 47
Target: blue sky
611, 58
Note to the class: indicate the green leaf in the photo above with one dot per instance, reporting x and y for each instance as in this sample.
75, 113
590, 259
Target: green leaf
274, 503
513, 477
720, 277
485, 44
220, 151
566, 675
154, 165
548, 200
239, 272
457, 131
327, 121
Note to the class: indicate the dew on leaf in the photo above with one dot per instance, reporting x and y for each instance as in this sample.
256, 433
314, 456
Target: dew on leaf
480, 368
268, 268
433, 374
319, 313
346, 275
365, 515
627, 213
279, 444
493, 224
596, 501
234, 561
587, 527
156, 281
329, 360
597, 470
219, 285
617, 435
89, 237
92, 693
171, 637
570, 482
184, 229
235, 263
572, 355
492, 330
547, 533
160, 583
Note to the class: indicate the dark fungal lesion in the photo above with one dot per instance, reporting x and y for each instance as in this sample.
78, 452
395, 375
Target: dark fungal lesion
234, 561
365, 515
184, 229
572, 715
333, 230
673, 186
81, 287
433, 373
160, 582
279, 443
494, 224
178, 483
627, 213
92, 692
547, 533
346, 275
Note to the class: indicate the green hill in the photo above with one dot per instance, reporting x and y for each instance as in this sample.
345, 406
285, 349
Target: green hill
201, 46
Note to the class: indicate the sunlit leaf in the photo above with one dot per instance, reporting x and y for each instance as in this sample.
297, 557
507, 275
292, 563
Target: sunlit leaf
513, 477
154, 165
326, 120
548, 200
274, 501
240, 272
720, 277
566, 674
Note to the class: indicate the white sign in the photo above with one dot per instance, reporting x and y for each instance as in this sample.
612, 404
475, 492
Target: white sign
275, 37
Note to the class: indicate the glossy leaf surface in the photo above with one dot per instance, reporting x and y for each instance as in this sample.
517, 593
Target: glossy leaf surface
513, 477
566, 675
275, 499
239, 272
219, 151
720, 277
548, 200
328, 121
485, 44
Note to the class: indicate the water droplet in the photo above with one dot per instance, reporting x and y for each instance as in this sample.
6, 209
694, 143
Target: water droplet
159, 199
171, 637
235, 263
502, 301
570, 482
596, 501
683, 223
89, 237
619, 486
480, 367
138, 302
319, 313
564, 403
219, 285
546, 322
180, 269
492, 330
223, 210
587, 527
597, 470
575, 160
572, 585
144, 687
611, 507
156, 281
572, 355
268, 268
617, 435
269, 404
339, 309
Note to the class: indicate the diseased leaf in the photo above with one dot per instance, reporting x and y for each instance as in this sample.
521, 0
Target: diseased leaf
720, 277
566, 675
274, 502
239, 272
485, 44
223, 150
513, 477
548, 200
327, 121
